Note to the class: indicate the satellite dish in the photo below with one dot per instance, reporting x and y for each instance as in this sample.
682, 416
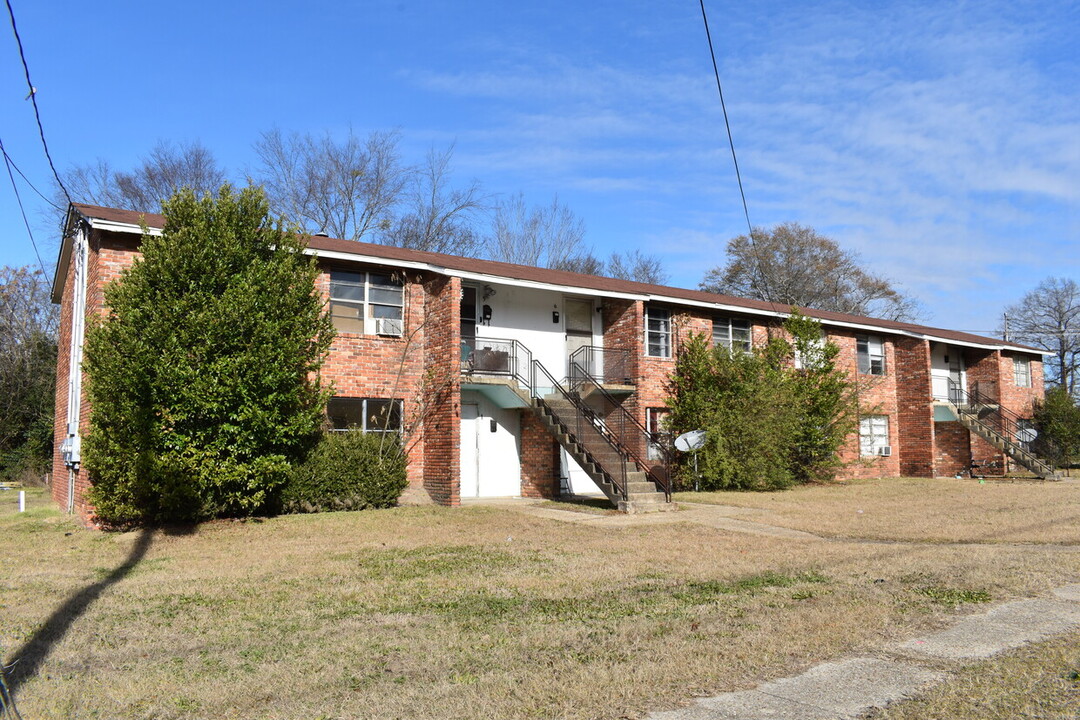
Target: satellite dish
1026, 435
689, 441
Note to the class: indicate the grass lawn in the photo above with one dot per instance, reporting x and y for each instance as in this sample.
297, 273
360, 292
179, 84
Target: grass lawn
1039, 681
480, 612
919, 510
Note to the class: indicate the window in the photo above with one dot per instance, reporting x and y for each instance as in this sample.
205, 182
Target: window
366, 302
871, 352
814, 355
658, 332
732, 333
654, 424
874, 435
366, 414
1022, 372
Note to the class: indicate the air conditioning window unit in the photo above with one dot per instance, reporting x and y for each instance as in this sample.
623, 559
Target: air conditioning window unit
388, 326
884, 451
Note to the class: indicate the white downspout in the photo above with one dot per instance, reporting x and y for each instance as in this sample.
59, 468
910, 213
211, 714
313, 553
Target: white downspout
72, 447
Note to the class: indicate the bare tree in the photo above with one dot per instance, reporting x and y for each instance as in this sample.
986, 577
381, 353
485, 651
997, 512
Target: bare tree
165, 170
549, 236
346, 189
794, 265
1049, 317
586, 263
28, 323
438, 218
635, 265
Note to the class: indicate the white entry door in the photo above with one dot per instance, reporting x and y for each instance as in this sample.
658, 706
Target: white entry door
579, 329
470, 469
490, 458
946, 365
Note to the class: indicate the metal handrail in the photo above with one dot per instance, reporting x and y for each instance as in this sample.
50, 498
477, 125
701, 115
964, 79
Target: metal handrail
628, 426
601, 365
496, 356
1005, 422
511, 358
584, 426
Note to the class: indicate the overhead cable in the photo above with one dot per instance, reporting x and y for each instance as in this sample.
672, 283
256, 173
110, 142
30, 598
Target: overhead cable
22, 210
33, 98
734, 159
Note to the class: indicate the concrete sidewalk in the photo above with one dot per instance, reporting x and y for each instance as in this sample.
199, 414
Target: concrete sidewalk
845, 689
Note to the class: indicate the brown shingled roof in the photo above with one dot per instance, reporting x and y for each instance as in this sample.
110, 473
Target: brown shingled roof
566, 278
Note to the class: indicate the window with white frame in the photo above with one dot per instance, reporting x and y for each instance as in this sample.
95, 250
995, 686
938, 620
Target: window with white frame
654, 424
874, 435
732, 333
1022, 372
657, 332
365, 414
814, 353
366, 302
871, 353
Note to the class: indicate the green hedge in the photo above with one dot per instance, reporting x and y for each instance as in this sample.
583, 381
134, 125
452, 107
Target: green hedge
347, 471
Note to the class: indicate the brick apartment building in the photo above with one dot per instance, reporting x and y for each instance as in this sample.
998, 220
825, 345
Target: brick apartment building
519, 381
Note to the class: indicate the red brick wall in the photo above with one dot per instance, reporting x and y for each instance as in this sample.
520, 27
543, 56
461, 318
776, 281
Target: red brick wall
538, 471
952, 448
915, 415
1019, 399
442, 428
877, 396
373, 366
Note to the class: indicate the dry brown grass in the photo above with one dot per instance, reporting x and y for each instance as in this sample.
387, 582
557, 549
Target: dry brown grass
463, 613
919, 510
1040, 681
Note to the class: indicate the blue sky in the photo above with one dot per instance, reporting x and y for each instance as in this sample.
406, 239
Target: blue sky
940, 140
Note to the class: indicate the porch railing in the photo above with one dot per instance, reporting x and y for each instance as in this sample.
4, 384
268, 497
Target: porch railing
495, 356
603, 365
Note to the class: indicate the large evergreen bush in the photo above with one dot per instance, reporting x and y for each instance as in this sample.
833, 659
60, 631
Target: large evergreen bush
769, 424
203, 378
1057, 420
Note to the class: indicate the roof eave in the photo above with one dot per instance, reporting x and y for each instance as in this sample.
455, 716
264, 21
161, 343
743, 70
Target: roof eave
124, 227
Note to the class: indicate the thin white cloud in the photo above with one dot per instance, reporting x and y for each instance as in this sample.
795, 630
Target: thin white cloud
932, 138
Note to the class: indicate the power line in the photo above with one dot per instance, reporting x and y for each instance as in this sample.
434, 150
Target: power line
18, 198
33, 98
734, 159
11, 160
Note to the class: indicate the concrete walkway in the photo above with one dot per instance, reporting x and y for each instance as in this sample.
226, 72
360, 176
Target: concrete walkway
846, 689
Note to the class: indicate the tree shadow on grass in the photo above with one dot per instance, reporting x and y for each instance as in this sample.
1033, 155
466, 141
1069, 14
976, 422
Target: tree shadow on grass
28, 659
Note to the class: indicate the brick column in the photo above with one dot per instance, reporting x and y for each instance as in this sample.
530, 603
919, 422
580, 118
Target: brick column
915, 414
442, 427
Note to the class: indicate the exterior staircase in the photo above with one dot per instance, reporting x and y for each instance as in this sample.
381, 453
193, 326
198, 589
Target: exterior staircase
998, 426
606, 444
600, 456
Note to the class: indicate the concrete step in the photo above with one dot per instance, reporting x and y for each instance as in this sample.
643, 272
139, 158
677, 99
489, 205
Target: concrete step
642, 505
